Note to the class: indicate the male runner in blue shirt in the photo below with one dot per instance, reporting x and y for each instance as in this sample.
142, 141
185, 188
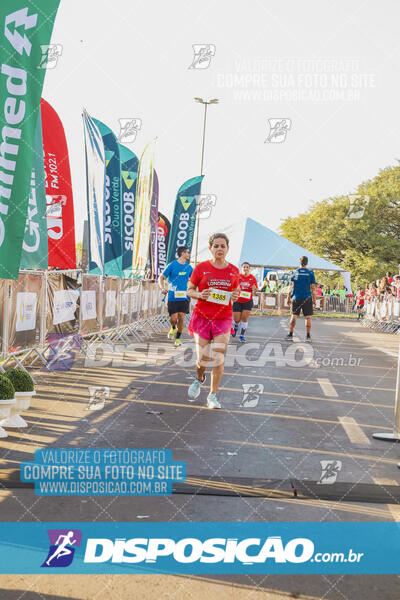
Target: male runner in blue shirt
177, 273
302, 292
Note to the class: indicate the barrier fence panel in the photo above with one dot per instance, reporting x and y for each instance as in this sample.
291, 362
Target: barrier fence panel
135, 294
90, 304
382, 315
268, 301
130, 297
125, 304
46, 313
25, 309
62, 315
145, 301
111, 287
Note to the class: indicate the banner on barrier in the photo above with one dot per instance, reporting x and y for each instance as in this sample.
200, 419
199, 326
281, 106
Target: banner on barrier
60, 202
26, 311
144, 193
112, 203
124, 303
184, 219
111, 302
62, 299
95, 182
25, 28
34, 248
64, 307
26, 296
88, 304
129, 171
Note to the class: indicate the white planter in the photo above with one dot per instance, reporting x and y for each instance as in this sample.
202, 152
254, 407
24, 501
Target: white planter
22, 402
5, 410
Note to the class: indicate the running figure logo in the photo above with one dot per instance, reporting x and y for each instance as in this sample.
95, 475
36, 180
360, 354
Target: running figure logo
278, 129
358, 204
203, 54
205, 204
61, 552
50, 55
98, 395
330, 470
128, 129
251, 394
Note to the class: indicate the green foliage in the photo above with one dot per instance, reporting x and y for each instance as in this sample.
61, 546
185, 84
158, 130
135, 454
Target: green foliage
367, 246
20, 379
7, 390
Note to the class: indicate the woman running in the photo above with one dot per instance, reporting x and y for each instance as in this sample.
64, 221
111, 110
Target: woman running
244, 304
213, 283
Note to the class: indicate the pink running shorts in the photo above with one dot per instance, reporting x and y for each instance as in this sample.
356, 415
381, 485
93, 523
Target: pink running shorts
208, 329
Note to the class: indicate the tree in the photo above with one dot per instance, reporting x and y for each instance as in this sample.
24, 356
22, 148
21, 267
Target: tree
359, 232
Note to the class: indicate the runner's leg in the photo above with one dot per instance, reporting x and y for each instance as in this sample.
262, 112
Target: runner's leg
245, 320
203, 352
308, 325
292, 323
181, 323
220, 344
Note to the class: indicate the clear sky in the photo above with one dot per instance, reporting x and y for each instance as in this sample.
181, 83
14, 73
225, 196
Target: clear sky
330, 67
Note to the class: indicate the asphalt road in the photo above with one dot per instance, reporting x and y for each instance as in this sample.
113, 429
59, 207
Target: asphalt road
287, 406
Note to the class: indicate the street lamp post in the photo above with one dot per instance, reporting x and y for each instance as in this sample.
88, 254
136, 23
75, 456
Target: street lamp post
206, 103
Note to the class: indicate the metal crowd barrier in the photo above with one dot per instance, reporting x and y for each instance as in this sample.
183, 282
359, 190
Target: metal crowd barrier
278, 301
48, 313
382, 315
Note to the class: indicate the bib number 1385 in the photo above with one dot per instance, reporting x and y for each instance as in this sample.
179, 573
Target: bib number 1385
219, 296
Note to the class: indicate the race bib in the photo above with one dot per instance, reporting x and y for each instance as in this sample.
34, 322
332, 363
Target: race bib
219, 296
180, 294
246, 295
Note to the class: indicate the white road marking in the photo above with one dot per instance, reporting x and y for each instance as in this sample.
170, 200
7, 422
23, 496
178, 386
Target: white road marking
327, 387
393, 508
382, 350
354, 431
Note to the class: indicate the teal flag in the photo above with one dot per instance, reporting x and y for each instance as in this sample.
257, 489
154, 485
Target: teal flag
112, 203
25, 32
184, 219
34, 248
129, 171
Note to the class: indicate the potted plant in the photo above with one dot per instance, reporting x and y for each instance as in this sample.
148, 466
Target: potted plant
7, 401
24, 390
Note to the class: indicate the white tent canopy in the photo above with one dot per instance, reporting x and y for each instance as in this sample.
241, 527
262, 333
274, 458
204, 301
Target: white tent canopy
264, 248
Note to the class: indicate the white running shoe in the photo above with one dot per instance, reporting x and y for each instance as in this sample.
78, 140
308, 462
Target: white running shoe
212, 401
194, 389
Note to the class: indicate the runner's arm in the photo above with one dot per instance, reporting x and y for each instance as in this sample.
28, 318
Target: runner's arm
289, 294
161, 280
314, 292
195, 294
235, 294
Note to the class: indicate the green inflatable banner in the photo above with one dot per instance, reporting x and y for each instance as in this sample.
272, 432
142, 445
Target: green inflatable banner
25, 33
34, 248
